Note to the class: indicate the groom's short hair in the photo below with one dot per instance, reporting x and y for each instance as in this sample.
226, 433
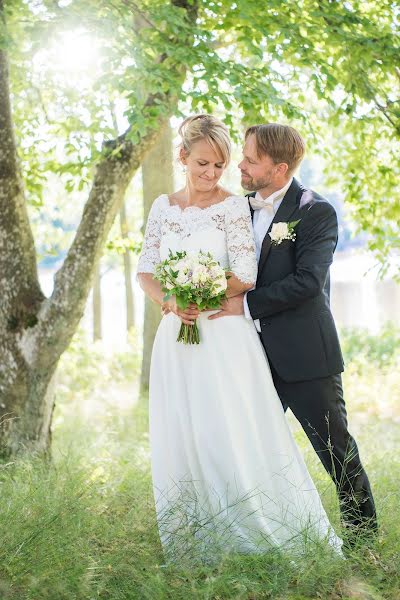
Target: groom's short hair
282, 143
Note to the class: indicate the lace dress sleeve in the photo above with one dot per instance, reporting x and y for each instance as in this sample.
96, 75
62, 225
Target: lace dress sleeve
150, 254
240, 240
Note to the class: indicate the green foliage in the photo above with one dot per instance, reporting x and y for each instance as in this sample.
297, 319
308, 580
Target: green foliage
87, 369
328, 67
366, 164
123, 245
364, 348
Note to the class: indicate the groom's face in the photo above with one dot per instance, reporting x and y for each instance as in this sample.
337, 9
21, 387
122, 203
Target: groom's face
257, 173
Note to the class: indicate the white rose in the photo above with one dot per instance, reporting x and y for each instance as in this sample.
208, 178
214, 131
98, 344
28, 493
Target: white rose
181, 265
220, 284
182, 278
280, 229
279, 232
217, 272
200, 274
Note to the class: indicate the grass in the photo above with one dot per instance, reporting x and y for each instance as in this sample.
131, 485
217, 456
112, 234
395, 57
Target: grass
82, 527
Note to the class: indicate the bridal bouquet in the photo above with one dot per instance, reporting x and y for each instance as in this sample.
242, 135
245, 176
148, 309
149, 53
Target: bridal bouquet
193, 278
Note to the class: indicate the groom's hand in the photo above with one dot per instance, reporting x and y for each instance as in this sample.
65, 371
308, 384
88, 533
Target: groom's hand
232, 306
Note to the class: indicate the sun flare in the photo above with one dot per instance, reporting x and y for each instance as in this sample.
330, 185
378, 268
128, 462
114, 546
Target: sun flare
74, 56
75, 51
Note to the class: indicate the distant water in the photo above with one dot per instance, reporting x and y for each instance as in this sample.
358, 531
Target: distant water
358, 298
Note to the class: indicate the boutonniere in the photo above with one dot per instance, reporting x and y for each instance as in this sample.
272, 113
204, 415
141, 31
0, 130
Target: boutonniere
283, 231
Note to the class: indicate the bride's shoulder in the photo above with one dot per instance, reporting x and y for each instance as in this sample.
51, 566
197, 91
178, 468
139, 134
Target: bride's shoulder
159, 203
237, 203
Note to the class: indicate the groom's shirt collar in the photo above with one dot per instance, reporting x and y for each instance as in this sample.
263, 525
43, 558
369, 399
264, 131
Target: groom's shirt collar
276, 197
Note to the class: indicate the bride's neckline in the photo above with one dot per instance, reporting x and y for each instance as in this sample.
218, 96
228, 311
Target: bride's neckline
195, 207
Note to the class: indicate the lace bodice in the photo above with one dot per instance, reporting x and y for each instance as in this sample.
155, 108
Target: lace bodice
223, 229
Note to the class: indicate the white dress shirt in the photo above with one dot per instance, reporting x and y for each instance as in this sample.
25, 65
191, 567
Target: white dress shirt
262, 219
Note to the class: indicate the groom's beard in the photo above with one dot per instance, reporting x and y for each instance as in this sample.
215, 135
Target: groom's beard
253, 185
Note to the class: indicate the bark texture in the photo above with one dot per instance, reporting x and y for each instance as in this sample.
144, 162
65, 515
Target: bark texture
129, 299
96, 305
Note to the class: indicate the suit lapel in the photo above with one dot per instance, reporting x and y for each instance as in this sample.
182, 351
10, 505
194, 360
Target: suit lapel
287, 208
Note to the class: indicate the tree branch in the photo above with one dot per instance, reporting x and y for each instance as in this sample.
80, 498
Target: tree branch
385, 112
141, 14
20, 292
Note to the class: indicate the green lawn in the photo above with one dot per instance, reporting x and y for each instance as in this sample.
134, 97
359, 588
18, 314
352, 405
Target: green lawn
83, 527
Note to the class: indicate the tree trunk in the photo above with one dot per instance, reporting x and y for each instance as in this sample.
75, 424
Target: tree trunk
157, 173
35, 335
129, 301
96, 305
35, 330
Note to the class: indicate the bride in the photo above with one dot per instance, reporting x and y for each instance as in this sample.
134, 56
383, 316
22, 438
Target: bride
227, 474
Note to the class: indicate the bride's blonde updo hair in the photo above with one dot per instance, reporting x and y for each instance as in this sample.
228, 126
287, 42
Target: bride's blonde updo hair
208, 128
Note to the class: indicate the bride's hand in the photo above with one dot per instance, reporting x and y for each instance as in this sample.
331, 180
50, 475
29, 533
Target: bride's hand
187, 315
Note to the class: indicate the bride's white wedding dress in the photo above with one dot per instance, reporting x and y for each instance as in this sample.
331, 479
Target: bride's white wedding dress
227, 474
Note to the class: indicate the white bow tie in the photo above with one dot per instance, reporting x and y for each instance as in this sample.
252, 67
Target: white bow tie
257, 202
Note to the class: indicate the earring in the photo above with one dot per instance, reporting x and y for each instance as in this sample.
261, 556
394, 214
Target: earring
184, 169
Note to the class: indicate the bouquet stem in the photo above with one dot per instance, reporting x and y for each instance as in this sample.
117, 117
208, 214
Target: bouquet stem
189, 334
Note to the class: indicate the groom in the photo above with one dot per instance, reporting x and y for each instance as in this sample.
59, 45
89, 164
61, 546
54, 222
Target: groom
296, 234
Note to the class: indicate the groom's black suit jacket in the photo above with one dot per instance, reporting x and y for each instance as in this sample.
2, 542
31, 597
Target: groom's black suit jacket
291, 297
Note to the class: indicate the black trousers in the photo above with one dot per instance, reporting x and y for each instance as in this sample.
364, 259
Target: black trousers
319, 406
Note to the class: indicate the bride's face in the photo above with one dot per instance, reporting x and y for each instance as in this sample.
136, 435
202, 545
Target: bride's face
204, 166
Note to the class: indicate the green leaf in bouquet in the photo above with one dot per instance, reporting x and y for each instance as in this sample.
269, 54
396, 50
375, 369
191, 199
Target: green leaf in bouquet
182, 302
